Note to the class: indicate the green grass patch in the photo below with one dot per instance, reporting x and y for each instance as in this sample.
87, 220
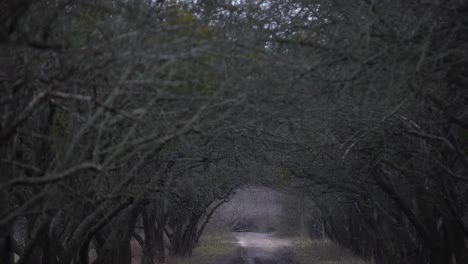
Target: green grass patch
308, 251
211, 248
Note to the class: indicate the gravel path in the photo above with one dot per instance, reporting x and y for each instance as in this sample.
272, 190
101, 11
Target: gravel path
263, 248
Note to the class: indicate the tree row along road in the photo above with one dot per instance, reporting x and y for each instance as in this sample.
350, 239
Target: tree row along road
133, 121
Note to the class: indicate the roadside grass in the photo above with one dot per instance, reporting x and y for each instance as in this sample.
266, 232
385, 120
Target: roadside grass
308, 251
211, 248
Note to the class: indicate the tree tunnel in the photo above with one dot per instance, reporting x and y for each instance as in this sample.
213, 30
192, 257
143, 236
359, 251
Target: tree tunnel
131, 123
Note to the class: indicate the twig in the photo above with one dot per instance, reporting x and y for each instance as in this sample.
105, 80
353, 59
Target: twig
52, 178
372, 128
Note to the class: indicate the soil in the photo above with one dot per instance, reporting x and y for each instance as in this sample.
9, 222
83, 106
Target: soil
260, 248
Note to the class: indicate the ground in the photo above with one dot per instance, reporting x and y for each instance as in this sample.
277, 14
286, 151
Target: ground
306, 251
265, 248
212, 248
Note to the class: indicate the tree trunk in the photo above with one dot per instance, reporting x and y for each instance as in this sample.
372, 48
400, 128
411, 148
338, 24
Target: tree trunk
33, 252
150, 231
117, 249
184, 237
6, 243
159, 239
6, 229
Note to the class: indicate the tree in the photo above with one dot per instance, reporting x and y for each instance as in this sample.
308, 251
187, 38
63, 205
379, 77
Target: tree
125, 114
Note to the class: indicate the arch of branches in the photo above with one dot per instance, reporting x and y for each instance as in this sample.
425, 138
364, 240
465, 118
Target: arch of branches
124, 119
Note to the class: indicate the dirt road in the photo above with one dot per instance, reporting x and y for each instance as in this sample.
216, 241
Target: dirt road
263, 248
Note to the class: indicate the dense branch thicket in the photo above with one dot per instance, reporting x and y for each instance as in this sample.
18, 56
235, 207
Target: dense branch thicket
137, 119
